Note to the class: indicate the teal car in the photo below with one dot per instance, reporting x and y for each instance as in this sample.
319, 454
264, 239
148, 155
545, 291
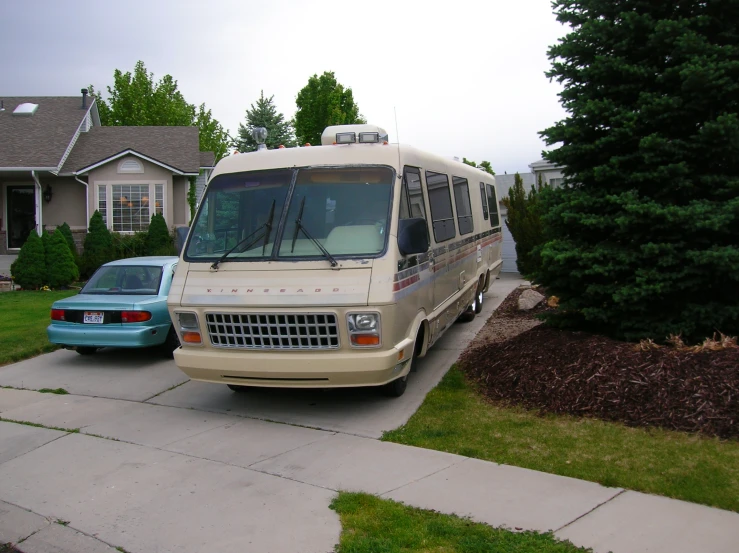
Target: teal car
123, 305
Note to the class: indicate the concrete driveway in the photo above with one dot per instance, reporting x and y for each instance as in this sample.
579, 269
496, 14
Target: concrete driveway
144, 375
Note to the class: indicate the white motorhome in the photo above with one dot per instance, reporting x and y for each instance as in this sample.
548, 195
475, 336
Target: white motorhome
333, 265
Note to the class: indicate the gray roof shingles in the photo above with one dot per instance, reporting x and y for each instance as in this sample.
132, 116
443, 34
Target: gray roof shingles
176, 147
207, 159
41, 139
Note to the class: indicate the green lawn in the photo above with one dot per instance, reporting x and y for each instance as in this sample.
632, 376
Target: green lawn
374, 525
456, 418
25, 316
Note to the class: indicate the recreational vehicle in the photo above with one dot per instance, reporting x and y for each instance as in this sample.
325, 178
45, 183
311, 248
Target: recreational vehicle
332, 266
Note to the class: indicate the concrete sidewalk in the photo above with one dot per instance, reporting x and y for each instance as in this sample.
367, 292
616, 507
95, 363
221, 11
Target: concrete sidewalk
155, 478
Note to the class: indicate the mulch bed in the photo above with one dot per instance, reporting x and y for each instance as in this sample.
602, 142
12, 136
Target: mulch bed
575, 373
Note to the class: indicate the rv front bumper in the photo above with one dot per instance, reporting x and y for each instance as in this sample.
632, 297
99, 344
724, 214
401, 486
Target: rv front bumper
295, 369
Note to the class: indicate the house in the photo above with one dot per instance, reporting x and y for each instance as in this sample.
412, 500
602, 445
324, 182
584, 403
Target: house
58, 164
550, 173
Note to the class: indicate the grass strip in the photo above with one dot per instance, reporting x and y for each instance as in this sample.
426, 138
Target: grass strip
456, 418
374, 525
24, 321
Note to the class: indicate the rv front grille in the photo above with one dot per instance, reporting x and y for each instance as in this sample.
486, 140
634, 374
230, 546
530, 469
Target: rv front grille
266, 331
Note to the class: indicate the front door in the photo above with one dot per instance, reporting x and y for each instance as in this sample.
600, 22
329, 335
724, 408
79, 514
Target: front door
21, 215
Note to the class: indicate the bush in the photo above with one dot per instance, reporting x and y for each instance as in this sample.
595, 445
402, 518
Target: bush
525, 223
61, 270
29, 269
98, 246
159, 240
67, 233
129, 245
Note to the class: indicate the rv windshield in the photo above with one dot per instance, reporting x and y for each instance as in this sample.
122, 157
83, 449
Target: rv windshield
339, 211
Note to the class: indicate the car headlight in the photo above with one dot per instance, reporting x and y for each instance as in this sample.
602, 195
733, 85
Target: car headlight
364, 329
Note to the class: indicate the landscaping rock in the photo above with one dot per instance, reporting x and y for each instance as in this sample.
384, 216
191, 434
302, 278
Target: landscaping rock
529, 299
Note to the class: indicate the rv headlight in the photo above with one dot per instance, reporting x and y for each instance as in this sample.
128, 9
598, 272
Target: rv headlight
363, 322
187, 320
364, 330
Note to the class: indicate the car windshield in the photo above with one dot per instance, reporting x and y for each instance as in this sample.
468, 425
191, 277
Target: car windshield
124, 279
343, 211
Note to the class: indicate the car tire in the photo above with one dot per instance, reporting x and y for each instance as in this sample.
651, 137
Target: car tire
237, 388
84, 350
171, 343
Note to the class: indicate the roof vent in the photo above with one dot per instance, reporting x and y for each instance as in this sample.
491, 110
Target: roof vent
25, 110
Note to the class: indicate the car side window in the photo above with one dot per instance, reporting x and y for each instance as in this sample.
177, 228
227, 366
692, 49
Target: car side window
464, 207
411, 196
440, 200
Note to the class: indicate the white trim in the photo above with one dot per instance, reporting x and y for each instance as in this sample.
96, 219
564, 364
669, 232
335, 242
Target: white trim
109, 198
134, 153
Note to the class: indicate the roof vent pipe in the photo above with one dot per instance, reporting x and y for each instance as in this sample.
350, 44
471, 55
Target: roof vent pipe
84, 98
2, 105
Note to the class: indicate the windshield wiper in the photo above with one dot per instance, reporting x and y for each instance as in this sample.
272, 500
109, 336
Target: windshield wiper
267, 225
299, 226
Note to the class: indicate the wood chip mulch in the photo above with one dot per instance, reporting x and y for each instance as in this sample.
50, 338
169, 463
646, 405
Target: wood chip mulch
575, 373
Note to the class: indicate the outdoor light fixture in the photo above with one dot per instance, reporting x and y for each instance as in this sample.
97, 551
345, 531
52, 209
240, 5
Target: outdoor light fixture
346, 137
48, 193
260, 135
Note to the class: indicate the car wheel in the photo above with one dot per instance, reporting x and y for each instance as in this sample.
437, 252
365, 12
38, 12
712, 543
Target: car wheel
237, 388
171, 343
82, 350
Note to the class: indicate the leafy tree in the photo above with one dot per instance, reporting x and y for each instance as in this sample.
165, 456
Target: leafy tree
484, 165
98, 248
61, 269
321, 103
642, 242
29, 268
136, 100
158, 240
264, 114
524, 220
192, 192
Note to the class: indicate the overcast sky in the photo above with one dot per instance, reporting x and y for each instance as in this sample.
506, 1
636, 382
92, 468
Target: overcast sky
466, 78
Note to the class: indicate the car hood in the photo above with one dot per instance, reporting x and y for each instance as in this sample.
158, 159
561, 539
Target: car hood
102, 302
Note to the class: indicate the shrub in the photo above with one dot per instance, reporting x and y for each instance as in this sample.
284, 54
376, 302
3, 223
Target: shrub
61, 270
159, 240
67, 233
525, 223
29, 269
98, 246
129, 245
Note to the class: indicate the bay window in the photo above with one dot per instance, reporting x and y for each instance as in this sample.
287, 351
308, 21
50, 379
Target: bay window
129, 207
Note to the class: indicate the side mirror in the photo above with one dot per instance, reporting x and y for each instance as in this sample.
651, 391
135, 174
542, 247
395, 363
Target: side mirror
413, 236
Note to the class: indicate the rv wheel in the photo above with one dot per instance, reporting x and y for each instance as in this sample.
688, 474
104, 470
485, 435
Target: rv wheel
396, 388
236, 388
478, 305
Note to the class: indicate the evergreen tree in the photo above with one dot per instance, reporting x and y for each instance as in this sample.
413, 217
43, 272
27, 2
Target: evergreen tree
29, 269
67, 233
321, 103
264, 114
98, 247
61, 269
642, 242
524, 220
158, 240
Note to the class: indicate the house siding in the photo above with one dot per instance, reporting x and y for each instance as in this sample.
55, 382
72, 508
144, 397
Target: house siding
179, 204
67, 203
108, 174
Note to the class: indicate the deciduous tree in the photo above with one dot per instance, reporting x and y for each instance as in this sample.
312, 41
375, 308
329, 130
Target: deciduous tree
321, 103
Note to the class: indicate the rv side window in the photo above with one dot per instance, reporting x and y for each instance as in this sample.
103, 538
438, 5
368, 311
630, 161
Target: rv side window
464, 208
493, 203
411, 197
442, 215
484, 201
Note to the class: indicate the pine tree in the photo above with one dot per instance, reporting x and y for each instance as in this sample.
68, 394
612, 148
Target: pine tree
264, 114
67, 233
642, 242
61, 269
524, 220
158, 240
98, 247
29, 269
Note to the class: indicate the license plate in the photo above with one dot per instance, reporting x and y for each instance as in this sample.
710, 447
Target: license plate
93, 317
